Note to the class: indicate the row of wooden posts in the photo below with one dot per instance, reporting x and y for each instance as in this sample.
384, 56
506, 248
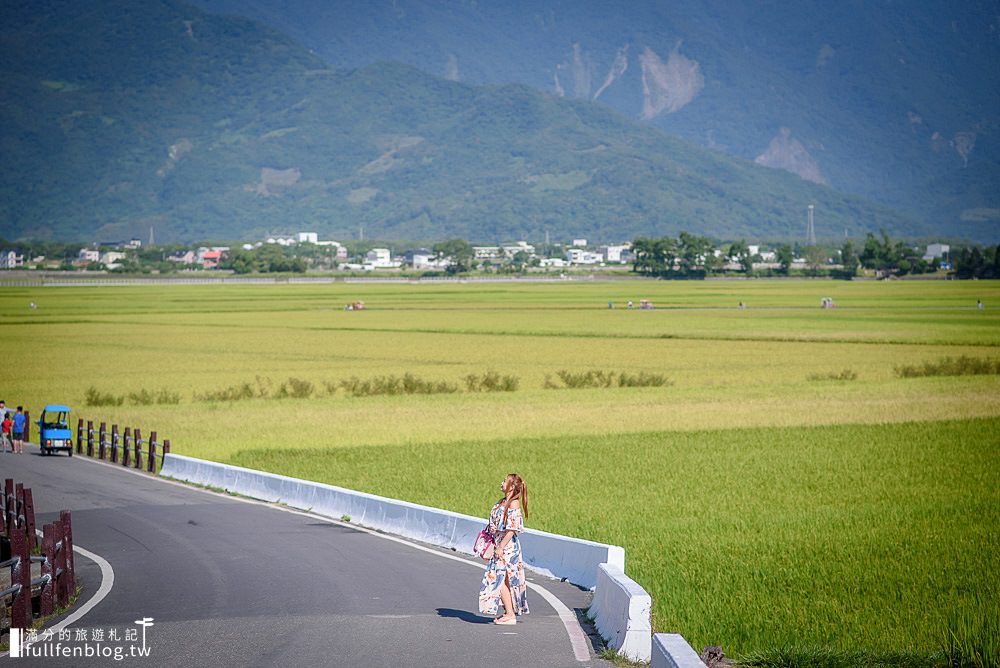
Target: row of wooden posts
41, 596
107, 445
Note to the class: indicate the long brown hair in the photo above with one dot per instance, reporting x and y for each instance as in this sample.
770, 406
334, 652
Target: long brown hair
520, 492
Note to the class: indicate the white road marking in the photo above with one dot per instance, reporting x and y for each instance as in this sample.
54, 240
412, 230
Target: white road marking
577, 637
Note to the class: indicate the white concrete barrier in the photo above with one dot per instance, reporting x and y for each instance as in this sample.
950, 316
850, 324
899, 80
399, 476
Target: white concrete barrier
670, 650
620, 610
574, 559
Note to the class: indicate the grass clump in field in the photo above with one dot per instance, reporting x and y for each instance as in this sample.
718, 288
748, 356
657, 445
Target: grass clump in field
391, 385
491, 381
94, 397
598, 379
145, 397
972, 637
846, 374
295, 388
951, 366
259, 389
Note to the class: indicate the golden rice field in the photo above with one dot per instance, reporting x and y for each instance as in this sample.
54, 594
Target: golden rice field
763, 509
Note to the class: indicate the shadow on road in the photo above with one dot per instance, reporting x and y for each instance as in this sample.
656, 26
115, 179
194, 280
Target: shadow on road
464, 615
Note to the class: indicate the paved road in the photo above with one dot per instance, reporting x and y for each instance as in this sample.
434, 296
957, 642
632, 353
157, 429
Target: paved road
236, 583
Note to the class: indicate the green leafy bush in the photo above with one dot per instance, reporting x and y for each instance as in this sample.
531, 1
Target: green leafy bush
94, 397
951, 366
491, 381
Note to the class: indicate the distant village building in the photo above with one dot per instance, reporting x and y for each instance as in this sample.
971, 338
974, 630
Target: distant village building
379, 258
10, 259
308, 237
519, 247
935, 251
89, 255
580, 256
182, 257
110, 259
552, 262
420, 258
210, 259
580, 243
617, 254
133, 244
487, 252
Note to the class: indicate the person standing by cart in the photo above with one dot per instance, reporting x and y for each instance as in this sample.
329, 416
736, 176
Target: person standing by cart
18, 423
5, 427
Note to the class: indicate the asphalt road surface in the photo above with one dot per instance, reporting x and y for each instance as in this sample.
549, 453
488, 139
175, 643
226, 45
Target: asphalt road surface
229, 582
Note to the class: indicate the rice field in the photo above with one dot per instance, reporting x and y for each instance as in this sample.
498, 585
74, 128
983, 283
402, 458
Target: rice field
766, 498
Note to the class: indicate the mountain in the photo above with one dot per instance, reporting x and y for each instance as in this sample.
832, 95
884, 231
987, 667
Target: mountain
117, 117
891, 100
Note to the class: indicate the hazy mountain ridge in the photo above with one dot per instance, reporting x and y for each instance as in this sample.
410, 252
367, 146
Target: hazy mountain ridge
120, 117
887, 99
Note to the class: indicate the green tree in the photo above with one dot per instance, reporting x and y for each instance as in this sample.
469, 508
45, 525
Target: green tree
740, 252
848, 258
459, 250
784, 256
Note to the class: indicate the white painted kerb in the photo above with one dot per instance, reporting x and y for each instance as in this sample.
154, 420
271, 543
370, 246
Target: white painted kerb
621, 610
558, 556
670, 650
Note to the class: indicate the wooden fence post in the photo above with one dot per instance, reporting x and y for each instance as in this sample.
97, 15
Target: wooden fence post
20, 611
8, 500
114, 443
27, 426
102, 438
29, 519
79, 436
59, 564
45, 604
67, 530
19, 505
138, 447
90, 438
166, 447
127, 446
151, 455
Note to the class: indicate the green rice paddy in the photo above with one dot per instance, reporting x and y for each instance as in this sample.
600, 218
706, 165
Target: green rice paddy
766, 505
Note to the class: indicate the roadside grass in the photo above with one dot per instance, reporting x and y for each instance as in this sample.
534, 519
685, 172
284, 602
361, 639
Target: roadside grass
830, 539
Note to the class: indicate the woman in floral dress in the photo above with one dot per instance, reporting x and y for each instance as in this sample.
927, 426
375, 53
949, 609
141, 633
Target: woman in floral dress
503, 581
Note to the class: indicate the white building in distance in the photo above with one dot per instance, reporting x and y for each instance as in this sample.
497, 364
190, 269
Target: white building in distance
935, 251
616, 254
580, 256
379, 258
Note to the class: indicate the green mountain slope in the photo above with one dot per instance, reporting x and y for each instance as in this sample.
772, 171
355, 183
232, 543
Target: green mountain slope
118, 117
895, 101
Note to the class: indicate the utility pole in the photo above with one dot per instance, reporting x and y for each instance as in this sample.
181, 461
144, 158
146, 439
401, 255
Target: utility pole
150, 235
810, 229
361, 233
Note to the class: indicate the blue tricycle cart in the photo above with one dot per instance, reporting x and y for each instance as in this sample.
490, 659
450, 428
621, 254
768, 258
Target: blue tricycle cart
53, 430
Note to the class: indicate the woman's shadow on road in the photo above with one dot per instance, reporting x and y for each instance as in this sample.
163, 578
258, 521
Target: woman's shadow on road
464, 615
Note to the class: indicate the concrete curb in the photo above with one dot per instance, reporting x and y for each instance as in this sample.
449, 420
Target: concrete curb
621, 610
670, 650
563, 557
